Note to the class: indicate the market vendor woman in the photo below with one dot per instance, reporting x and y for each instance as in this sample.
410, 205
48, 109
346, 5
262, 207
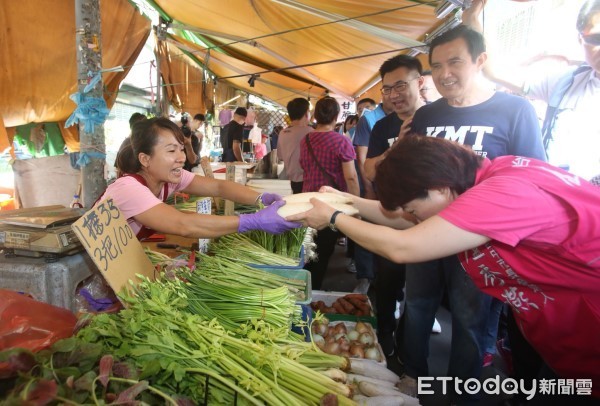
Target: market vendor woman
152, 164
526, 232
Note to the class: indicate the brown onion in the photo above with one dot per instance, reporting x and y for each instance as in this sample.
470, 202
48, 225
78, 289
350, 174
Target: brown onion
340, 328
356, 350
332, 348
362, 327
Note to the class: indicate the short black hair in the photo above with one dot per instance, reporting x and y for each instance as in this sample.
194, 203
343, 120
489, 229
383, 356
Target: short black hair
589, 8
297, 108
135, 117
474, 39
366, 100
241, 111
400, 61
199, 117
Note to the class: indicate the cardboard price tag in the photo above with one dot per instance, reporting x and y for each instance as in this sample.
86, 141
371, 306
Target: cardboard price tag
108, 239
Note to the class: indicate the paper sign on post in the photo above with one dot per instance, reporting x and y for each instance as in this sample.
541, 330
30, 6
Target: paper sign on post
106, 236
204, 206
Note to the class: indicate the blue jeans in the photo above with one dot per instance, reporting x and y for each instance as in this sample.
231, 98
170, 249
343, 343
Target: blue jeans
363, 260
491, 333
425, 283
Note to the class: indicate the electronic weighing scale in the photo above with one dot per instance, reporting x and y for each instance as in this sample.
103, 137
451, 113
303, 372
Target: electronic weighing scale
40, 232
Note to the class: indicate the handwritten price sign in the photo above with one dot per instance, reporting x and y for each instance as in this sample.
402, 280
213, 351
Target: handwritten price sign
108, 239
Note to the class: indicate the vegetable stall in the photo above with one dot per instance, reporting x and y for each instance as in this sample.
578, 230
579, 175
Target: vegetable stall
229, 326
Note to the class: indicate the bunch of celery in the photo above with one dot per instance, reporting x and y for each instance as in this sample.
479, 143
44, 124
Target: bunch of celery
176, 352
287, 244
239, 247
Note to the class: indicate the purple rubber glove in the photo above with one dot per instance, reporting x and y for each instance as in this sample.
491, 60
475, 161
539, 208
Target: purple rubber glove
267, 220
269, 198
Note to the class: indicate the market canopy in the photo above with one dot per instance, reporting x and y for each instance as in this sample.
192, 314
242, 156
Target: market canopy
293, 48
297, 47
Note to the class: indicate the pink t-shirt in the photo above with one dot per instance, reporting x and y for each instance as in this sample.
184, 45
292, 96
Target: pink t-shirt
544, 257
133, 198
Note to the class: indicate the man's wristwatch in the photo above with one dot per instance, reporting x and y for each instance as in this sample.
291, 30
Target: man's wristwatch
332, 220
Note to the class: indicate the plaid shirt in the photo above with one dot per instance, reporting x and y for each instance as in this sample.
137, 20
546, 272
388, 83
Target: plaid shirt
331, 150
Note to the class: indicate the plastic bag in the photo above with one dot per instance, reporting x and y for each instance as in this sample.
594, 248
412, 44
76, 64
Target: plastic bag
28, 323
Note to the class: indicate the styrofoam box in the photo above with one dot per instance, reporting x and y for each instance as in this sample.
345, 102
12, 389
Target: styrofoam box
329, 297
54, 283
351, 325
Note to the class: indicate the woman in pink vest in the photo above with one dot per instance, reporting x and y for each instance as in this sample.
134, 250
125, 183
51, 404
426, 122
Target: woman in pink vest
152, 164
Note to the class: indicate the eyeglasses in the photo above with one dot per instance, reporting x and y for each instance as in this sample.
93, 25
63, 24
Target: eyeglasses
591, 39
398, 87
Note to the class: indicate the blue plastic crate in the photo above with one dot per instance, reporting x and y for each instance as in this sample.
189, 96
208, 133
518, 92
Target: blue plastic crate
301, 274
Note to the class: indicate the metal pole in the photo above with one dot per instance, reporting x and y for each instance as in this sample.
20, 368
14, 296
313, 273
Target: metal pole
160, 37
89, 59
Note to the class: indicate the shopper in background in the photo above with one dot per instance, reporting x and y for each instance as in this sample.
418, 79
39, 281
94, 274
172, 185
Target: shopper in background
288, 143
428, 91
350, 125
275, 136
327, 158
190, 143
366, 104
361, 261
542, 262
232, 136
197, 127
153, 170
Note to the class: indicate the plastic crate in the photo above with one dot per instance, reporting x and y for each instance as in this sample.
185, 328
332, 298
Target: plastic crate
301, 274
329, 297
54, 283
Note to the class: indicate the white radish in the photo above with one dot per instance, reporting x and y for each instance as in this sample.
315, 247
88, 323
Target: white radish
379, 400
369, 368
361, 378
335, 374
373, 389
326, 197
370, 389
290, 209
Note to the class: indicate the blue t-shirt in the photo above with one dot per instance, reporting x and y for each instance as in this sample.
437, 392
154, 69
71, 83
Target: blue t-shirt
383, 135
365, 125
503, 125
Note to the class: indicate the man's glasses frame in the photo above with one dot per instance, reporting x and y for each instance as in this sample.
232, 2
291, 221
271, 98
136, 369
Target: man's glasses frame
398, 87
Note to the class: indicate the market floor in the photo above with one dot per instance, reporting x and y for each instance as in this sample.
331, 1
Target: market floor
339, 279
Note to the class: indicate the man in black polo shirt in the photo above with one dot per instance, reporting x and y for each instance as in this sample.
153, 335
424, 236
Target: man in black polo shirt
232, 136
